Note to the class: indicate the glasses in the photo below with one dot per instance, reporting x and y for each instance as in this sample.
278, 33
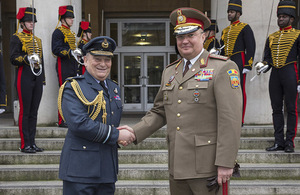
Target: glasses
188, 36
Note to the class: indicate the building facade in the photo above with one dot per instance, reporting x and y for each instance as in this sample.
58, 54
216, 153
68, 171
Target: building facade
145, 45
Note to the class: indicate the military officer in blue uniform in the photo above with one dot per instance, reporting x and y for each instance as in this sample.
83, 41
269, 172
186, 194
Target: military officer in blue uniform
63, 43
211, 40
282, 51
239, 44
92, 107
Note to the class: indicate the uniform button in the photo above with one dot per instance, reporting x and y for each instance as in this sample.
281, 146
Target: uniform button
178, 128
209, 141
111, 100
179, 101
84, 147
180, 87
113, 125
112, 112
178, 114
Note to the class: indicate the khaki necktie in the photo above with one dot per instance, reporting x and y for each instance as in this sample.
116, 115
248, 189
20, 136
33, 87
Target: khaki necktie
186, 68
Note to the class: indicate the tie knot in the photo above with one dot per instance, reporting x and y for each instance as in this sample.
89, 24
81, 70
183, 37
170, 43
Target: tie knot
188, 63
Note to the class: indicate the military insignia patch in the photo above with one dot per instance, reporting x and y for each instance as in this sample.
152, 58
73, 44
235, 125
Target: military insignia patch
232, 71
204, 75
235, 82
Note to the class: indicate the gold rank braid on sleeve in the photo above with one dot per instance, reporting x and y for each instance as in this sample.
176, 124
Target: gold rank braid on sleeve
207, 43
230, 35
281, 43
94, 107
69, 37
27, 44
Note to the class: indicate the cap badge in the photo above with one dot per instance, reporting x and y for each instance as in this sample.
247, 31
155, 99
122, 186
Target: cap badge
105, 44
181, 19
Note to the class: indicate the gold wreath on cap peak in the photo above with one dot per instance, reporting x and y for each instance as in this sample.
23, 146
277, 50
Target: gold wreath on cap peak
105, 43
181, 19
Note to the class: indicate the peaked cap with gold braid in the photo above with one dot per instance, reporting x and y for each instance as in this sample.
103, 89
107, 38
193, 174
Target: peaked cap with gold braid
100, 46
187, 20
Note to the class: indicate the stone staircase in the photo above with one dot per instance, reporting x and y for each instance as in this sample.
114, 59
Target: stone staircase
143, 167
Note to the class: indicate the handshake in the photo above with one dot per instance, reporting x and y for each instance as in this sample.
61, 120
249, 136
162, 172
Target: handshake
126, 135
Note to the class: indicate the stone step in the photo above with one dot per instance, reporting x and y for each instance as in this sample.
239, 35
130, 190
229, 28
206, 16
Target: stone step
147, 172
149, 143
154, 187
147, 157
57, 132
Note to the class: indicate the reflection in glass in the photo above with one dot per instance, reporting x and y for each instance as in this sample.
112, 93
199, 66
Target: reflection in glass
143, 34
132, 95
132, 66
152, 91
155, 68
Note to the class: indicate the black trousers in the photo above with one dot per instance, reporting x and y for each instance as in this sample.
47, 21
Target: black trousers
283, 87
72, 188
30, 89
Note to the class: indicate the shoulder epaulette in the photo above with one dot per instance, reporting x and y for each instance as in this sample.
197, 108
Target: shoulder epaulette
215, 56
175, 62
75, 77
114, 81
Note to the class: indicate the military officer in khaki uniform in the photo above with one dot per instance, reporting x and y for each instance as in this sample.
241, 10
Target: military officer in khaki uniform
200, 100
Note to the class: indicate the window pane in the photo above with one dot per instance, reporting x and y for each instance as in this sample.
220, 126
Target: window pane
132, 70
114, 69
152, 91
155, 69
143, 34
132, 95
114, 31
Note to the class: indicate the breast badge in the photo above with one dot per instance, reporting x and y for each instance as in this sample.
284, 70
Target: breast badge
170, 81
196, 95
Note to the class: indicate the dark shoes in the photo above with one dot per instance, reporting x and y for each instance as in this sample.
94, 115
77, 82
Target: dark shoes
32, 149
37, 149
289, 148
275, 147
28, 149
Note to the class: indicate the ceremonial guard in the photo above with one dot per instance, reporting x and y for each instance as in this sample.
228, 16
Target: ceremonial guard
3, 97
281, 54
92, 108
211, 40
85, 35
200, 101
63, 44
239, 44
27, 55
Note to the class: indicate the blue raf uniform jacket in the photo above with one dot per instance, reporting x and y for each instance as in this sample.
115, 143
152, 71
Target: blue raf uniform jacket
89, 154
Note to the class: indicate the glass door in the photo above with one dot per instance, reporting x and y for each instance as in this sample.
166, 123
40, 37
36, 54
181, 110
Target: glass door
141, 79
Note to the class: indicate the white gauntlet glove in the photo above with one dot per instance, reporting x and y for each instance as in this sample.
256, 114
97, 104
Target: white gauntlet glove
245, 71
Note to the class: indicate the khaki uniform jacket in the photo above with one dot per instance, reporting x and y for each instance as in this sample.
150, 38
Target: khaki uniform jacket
202, 133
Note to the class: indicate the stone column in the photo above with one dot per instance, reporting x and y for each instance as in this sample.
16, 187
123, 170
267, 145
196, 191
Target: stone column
257, 14
47, 19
